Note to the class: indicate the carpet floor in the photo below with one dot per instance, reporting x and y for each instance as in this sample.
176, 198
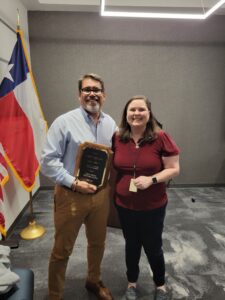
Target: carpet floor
194, 245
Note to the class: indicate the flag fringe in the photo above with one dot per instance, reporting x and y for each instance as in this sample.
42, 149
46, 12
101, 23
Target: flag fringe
4, 180
27, 188
3, 231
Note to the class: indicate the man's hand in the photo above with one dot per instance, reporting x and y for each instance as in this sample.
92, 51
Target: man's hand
85, 187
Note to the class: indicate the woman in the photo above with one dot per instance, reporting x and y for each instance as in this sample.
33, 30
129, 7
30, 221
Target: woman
145, 158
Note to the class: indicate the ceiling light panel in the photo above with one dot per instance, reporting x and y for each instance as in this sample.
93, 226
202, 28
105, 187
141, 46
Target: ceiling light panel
171, 9
70, 2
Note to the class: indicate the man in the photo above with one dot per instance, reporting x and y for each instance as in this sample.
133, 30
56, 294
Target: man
77, 202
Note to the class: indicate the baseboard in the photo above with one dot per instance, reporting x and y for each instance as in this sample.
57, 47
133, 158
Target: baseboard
47, 188
198, 185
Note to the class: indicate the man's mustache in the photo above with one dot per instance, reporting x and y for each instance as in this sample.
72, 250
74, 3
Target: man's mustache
95, 98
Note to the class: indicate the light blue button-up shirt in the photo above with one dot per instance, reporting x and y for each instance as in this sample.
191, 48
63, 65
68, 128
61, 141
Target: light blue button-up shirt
65, 135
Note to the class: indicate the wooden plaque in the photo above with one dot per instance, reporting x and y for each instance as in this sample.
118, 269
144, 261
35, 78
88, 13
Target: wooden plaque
93, 163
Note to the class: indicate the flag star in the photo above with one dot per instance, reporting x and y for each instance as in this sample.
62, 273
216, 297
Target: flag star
8, 75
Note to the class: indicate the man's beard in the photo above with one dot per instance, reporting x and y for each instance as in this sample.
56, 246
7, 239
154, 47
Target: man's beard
93, 108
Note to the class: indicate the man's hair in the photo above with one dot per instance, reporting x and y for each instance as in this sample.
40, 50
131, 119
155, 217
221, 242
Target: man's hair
91, 76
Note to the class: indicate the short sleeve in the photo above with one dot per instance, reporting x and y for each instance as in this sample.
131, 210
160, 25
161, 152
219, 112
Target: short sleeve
169, 147
113, 142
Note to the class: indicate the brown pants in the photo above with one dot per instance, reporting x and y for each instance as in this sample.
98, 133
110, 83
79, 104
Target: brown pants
71, 211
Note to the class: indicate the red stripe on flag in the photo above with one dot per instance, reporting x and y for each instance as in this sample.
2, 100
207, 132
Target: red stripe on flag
16, 136
2, 220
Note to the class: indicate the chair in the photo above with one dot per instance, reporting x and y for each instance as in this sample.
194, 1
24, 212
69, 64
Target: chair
24, 289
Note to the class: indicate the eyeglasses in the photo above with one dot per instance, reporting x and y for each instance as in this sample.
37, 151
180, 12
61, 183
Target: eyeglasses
88, 90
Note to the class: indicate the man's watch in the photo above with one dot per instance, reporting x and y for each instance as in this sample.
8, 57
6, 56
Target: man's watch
74, 184
154, 180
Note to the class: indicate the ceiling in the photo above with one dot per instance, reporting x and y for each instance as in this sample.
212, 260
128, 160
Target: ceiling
182, 6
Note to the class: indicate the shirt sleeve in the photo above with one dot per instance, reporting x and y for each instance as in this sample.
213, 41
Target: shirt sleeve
113, 142
52, 155
169, 147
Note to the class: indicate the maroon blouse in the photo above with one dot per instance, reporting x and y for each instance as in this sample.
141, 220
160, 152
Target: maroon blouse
146, 160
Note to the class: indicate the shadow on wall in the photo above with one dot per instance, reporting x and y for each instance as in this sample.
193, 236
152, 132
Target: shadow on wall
221, 173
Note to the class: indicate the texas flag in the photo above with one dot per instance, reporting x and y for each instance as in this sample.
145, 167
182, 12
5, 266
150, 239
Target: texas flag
3, 179
22, 125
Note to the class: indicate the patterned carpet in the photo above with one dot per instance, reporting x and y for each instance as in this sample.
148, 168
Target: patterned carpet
194, 245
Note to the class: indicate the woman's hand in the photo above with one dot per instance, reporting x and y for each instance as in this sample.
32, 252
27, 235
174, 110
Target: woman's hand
171, 170
143, 182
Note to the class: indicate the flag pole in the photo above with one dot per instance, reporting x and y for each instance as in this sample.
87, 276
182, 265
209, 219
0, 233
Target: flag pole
18, 19
33, 230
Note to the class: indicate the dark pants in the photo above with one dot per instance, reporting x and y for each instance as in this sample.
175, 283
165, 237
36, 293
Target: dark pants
143, 228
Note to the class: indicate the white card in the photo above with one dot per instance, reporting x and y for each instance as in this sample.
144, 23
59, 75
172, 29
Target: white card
132, 187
